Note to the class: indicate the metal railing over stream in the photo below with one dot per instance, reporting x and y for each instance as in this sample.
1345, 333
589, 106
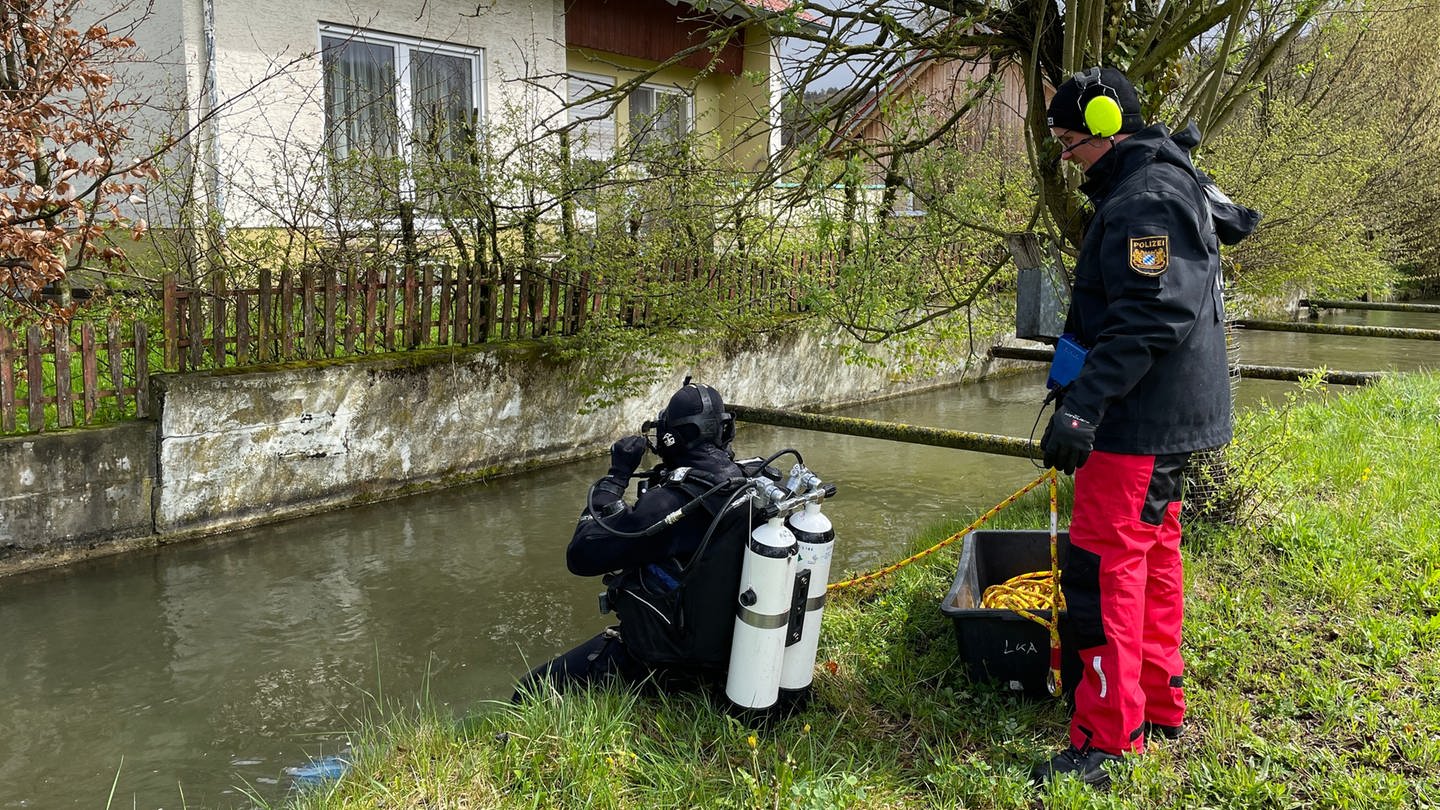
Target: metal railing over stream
1349, 330
1380, 306
893, 431
1282, 373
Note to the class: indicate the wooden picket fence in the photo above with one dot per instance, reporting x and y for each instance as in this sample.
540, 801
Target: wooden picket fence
304, 314
68, 375
40, 383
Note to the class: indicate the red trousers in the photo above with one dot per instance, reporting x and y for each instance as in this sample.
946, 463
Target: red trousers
1124, 590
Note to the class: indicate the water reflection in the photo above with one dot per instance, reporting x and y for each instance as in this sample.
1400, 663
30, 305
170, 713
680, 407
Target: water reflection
216, 665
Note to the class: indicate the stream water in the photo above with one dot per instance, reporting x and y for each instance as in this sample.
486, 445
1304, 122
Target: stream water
196, 675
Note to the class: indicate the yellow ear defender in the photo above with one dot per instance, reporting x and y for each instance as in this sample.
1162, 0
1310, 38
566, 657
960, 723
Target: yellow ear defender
1102, 113
1103, 116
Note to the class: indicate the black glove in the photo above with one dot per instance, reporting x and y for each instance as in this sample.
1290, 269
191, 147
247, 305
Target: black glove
625, 456
1067, 442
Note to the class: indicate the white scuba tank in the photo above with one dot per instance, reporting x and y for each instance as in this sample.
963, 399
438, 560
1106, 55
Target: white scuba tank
762, 617
815, 541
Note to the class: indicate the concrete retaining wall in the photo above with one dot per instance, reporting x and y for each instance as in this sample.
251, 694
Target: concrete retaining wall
235, 448
69, 490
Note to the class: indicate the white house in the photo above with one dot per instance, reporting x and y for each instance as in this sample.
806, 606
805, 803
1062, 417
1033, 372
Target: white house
268, 87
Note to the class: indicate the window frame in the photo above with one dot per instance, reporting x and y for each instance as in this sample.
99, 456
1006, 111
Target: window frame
666, 89
402, 46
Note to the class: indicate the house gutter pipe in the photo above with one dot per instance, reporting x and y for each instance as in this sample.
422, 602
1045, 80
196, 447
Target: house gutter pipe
212, 125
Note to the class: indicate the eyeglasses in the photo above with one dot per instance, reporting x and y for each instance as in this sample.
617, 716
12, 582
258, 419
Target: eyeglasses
1067, 148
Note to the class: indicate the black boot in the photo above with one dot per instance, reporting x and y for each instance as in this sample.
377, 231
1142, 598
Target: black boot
1087, 765
1154, 731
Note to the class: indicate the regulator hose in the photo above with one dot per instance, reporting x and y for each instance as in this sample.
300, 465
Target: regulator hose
655, 527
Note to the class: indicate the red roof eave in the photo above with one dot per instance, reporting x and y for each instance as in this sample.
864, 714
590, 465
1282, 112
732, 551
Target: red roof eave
738, 8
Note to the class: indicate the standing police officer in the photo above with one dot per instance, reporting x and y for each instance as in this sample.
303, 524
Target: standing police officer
672, 579
1153, 388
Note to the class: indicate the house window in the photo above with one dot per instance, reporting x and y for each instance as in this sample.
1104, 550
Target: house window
389, 96
659, 114
592, 132
908, 203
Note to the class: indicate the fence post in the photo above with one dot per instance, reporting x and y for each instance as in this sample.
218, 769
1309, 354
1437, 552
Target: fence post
463, 275
480, 320
353, 312
35, 379
442, 327
525, 317
7, 380
554, 305
387, 329
484, 317
218, 330
568, 303
64, 400
583, 301
168, 316
307, 312
197, 329
287, 315
263, 332
507, 298
142, 371
371, 290
332, 302
242, 328
426, 294
89, 372
411, 321
116, 360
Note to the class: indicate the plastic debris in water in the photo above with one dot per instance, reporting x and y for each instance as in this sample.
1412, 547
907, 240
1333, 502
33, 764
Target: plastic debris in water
319, 770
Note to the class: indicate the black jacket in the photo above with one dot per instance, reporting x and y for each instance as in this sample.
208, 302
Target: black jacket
596, 550
675, 612
1147, 303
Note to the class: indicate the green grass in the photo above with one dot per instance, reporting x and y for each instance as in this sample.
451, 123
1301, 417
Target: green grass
1313, 644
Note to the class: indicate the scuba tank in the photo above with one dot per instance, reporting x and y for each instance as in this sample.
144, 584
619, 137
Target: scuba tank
762, 609
815, 541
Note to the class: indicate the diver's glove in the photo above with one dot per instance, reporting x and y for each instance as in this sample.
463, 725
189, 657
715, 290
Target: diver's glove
1067, 442
625, 456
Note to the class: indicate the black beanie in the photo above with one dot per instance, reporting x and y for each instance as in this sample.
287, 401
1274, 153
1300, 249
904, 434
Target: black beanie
1067, 106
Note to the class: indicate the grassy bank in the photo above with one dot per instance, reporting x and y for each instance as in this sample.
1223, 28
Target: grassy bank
1313, 644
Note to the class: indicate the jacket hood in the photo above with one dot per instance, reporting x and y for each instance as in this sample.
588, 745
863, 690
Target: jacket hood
1232, 221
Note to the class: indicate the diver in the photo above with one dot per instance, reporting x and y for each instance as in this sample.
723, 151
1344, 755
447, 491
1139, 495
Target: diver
670, 578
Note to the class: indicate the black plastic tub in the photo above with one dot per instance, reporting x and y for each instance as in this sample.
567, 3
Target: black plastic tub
1001, 645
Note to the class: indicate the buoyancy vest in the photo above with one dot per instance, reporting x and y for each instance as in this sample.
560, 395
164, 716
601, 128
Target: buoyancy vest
682, 616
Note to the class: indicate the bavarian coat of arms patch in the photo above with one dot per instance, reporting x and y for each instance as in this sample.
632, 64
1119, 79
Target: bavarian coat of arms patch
1149, 255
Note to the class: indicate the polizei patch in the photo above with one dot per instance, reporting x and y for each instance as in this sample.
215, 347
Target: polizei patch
1149, 255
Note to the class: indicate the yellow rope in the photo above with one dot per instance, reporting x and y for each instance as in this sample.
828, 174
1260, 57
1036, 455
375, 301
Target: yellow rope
1033, 586
980, 521
1032, 591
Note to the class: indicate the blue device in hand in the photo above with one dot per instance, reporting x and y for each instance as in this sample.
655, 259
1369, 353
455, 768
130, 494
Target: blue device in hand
1069, 357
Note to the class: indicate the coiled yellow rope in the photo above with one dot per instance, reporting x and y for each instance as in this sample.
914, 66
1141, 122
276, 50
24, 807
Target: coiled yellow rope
1032, 591
1037, 590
